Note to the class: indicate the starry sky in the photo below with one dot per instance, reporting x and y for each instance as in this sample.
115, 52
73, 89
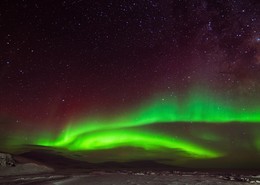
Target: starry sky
66, 61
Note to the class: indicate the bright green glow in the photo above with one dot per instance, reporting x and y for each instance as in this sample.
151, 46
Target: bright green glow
118, 138
198, 108
102, 133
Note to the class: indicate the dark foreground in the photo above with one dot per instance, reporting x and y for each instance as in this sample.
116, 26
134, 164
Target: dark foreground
131, 178
41, 168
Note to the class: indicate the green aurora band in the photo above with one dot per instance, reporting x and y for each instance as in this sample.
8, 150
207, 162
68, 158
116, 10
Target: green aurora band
119, 138
98, 133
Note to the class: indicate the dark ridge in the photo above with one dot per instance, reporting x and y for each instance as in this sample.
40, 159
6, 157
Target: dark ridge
56, 160
63, 159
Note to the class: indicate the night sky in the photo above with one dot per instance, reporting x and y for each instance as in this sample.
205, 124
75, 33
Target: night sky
82, 75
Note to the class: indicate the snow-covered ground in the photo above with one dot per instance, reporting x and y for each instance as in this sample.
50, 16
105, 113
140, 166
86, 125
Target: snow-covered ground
132, 179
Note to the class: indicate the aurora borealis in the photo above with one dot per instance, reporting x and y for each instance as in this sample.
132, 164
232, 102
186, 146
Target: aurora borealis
98, 134
175, 82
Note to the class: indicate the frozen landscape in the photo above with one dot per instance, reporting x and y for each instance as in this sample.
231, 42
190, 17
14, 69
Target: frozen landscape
24, 171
